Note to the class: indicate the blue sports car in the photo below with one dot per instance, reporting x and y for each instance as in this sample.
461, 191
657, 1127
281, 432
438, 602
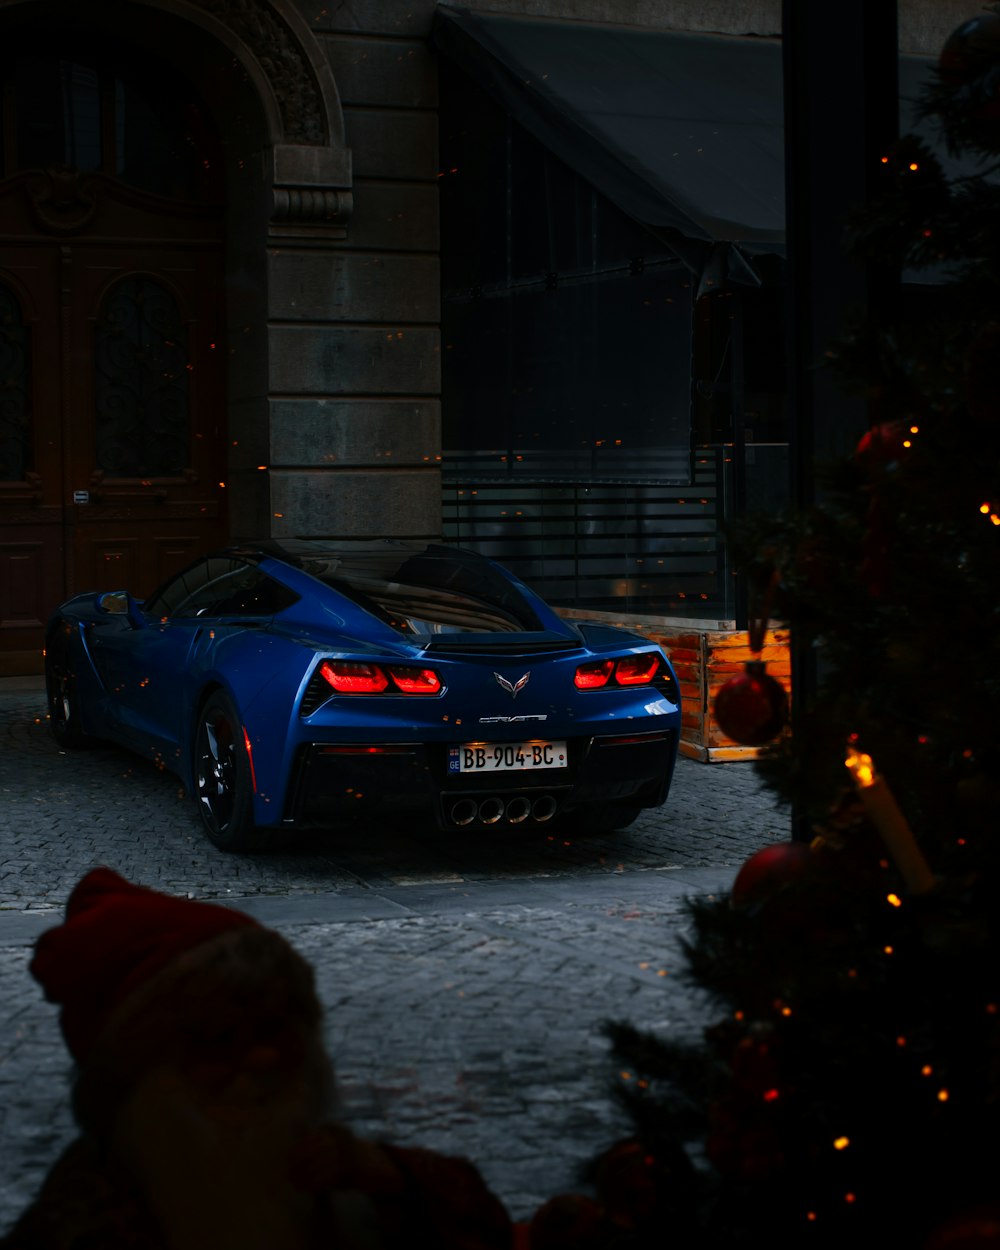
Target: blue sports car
295, 684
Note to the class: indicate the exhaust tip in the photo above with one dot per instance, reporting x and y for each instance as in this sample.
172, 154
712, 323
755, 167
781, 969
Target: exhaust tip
543, 809
518, 809
464, 812
490, 811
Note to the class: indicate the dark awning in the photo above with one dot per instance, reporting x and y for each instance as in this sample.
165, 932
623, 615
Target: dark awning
684, 132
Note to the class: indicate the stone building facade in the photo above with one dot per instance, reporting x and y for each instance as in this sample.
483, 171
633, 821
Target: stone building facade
220, 274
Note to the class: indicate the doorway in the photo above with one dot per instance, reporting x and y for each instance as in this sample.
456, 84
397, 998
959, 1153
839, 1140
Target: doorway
112, 363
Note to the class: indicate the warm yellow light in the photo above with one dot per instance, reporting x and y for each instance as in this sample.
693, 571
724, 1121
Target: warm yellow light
914, 166
860, 767
894, 900
942, 1095
984, 508
841, 1143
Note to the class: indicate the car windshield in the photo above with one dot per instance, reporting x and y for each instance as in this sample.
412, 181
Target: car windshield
422, 591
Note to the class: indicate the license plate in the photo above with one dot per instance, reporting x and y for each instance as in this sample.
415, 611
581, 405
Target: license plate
498, 757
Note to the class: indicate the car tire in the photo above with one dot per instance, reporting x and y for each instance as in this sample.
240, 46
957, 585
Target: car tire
222, 777
61, 694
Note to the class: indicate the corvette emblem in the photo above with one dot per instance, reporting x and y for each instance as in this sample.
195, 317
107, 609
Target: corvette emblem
512, 687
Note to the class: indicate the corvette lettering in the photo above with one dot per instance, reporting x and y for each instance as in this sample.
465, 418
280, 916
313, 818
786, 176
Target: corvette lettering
510, 720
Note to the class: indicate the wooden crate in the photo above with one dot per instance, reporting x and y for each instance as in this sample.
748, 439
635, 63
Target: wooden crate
704, 659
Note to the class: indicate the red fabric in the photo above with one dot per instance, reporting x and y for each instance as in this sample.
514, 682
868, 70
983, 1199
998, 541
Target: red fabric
115, 936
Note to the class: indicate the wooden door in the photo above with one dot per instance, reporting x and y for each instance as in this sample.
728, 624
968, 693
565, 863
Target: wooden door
112, 403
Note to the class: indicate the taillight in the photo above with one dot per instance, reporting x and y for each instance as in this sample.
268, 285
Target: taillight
354, 677
416, 680
594, 675
631, 670
348, 677
637, 670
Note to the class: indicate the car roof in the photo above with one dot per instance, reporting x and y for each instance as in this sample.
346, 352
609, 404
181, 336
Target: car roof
381, 556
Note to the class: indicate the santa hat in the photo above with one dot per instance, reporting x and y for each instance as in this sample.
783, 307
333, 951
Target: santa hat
116, 936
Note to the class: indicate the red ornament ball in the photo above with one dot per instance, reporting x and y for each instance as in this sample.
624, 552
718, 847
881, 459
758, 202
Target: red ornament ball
883, 447
752, 707
779, 864
970, 51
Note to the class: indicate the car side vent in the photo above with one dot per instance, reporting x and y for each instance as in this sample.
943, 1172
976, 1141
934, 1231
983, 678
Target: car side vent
317, 693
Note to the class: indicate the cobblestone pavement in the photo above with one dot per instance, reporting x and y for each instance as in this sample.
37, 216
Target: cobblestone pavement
465, 981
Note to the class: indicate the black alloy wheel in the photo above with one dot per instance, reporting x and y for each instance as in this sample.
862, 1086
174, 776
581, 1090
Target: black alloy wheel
223, 781
61, 693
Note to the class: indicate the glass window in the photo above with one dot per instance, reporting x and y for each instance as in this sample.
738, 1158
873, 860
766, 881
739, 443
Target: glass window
95, 107
58, 114
165, 601
243, 591
567, 326
15, 390
420, 590
142, 406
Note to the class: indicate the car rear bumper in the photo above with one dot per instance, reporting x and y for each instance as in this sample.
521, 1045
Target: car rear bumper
332, 783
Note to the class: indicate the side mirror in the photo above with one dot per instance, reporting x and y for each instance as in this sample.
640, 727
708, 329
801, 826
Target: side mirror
121, 603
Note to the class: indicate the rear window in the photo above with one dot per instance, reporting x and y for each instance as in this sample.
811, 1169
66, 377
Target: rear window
426, 592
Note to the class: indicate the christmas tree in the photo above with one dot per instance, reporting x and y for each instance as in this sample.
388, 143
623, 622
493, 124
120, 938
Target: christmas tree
849, 1084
